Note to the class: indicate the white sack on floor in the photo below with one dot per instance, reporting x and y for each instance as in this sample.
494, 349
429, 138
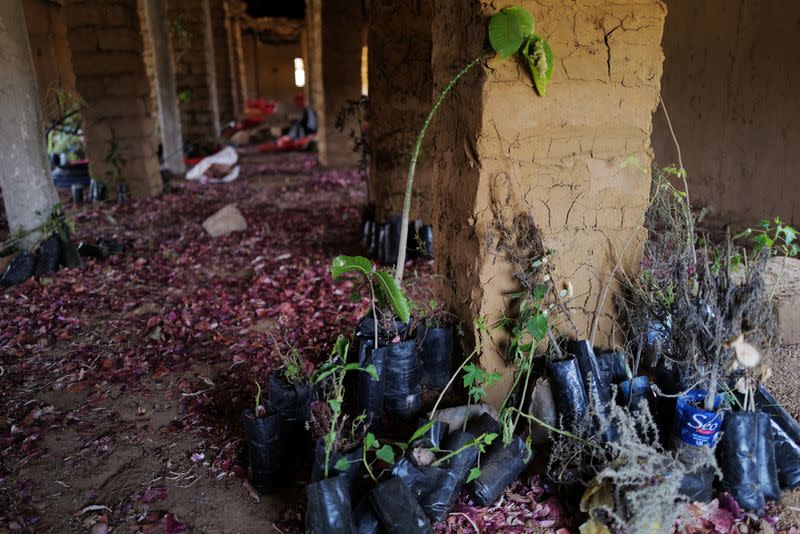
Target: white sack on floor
209, 169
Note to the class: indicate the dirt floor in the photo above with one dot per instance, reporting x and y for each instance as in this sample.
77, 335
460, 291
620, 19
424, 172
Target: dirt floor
121, 386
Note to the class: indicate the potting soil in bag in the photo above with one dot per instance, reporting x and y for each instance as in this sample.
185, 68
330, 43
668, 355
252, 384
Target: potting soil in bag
786, 436
597, 391
366, 329
48, 256
437, 434
264, 451
435, 348
402, 393
365, 520
371, 390
767, 468
568, 392
328, 507
501, 466
397, 508
737, 455
19, 270
694, 425
293, 403
482, 424
318, 465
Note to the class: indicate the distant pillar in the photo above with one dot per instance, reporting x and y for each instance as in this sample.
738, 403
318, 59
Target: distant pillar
106, 42
195, 74
336, 73
400, 97
28, 191
169, 115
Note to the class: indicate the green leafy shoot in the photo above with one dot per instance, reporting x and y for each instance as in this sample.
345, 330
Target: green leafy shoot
476, 379
342, 464
474, 473
509, 29
258, 409
480, 443
388, 290
539, 56
335, 370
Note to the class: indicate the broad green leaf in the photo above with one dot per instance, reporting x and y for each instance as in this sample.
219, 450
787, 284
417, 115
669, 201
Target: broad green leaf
474, 473
745, 233
540, 60
342, 465
421, 431
372, 371
335, 405
347, 264
386, 453
330, 437
393, 295
472, 375
790, 234
537, 327
370, 441
509, 29
539, 291
342, 347
490, 438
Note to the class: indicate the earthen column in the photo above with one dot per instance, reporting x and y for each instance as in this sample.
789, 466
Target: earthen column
28, 191
400, 97
106, 42
501, 149
193, 45
235, 9
166, 88
336, 73
222, 65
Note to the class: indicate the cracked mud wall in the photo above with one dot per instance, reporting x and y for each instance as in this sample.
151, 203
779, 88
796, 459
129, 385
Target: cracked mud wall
499, 146
731, 84
401, 86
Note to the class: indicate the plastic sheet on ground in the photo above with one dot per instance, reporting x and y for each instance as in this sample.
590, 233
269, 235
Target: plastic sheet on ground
225, 158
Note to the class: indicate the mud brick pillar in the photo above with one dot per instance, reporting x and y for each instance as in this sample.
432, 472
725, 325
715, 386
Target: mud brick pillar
193, 45
28, 191
336, 73
236, 10
166, 88
106, 42
400, 97
500, 148
222, 61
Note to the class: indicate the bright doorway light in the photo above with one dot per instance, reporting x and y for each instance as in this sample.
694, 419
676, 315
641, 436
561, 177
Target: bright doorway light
299, 72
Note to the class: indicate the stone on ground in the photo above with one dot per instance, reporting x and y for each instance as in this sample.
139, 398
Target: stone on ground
227, 220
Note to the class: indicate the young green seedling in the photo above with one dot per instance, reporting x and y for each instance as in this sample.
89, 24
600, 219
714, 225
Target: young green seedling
336, 369
510, 32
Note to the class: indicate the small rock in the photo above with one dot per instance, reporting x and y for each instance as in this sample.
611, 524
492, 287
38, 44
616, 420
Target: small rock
227, 220
19, 270
49, 253
99, 528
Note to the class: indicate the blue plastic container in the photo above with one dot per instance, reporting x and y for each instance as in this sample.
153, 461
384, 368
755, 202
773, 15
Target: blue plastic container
696, 426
